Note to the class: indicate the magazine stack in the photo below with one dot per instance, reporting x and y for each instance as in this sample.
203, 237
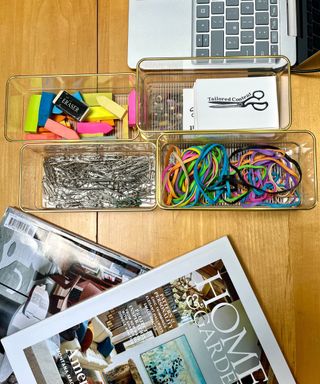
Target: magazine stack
194, 320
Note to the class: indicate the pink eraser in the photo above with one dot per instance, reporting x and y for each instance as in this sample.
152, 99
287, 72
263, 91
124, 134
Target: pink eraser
132, 108
41, 136
94, 128
61, 130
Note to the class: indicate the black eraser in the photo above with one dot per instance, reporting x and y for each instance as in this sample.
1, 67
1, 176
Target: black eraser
70, 105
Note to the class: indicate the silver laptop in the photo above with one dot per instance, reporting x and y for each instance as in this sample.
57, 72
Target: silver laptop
177, 28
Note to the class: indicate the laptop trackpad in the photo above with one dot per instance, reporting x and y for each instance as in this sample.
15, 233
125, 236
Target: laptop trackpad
159, 29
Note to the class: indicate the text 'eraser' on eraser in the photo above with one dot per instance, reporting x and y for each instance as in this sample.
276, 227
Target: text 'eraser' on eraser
61, 130
45, 107
58, 111
132, 108
111, 106
32, 115
71, 105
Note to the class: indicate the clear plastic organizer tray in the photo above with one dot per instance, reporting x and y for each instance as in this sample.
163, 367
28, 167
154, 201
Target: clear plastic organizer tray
162, 105
232, 170
21, 89
91, 176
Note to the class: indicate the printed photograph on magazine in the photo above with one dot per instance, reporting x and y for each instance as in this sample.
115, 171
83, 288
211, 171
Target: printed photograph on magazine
44, 270
194, 320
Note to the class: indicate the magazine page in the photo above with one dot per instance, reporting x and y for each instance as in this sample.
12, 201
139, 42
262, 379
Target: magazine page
194, 320
44, 270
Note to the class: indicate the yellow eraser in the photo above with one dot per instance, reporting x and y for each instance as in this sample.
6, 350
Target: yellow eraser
125, 124
111, 106
99, 113
66, 123
31, 122
84, 135
91, 98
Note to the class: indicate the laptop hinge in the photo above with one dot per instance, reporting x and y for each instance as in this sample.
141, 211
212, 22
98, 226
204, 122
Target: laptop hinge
292, 18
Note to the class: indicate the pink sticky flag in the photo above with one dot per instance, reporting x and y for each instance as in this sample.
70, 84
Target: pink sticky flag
94, 128
132, 108
61, 130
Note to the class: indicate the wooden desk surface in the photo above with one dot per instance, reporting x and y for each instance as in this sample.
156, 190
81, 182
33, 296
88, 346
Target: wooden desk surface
278, 250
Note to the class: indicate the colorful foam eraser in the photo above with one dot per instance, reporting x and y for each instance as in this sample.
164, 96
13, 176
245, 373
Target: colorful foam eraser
86, 135
45, 108
111, 106
56, 110
110, 122
31, 122
132, 108
94, 128
58, 118
125, 125
41, 136
42, 130
99, 113
76, 95
61, 130
66, 123
91, 98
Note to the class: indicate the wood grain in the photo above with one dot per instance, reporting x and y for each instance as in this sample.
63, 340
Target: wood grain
278, 250
44, 37
112, 36
304, 240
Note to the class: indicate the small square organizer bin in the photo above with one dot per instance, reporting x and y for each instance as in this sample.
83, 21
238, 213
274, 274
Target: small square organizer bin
91, 176
237, 170
173, 94
29, 105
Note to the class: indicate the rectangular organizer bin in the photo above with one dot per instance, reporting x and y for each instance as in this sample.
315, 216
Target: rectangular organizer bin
19, 89
299, 147
87, 176
160, 85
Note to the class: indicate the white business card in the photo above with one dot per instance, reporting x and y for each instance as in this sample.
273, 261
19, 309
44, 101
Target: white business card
188, 109
236, 103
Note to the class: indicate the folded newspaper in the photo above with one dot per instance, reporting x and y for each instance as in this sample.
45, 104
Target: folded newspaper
44, 270
194, 320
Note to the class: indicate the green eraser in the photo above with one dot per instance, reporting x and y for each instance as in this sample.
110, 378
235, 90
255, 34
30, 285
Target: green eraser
91, 98
31, 122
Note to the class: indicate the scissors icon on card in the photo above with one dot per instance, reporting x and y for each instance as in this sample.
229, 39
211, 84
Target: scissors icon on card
253, 100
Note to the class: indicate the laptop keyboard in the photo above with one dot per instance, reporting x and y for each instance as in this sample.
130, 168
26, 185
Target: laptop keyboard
237, 27
313, 25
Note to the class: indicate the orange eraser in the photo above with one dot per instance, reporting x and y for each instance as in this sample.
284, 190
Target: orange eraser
61, 130
110, 122
42, 130
41, 136
58, 118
